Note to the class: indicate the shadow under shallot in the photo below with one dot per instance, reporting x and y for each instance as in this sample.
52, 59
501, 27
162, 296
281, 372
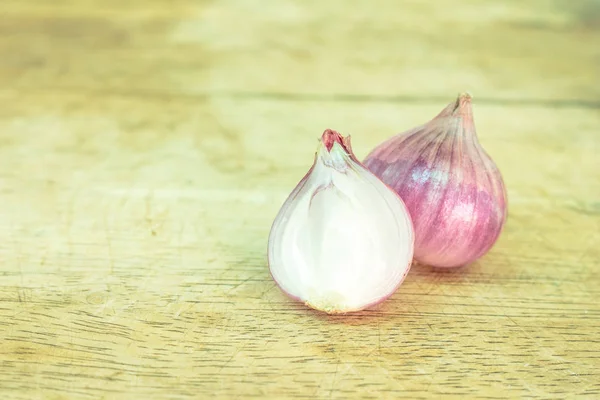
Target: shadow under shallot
424, 278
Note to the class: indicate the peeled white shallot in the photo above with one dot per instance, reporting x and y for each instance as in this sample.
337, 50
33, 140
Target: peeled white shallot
343, 240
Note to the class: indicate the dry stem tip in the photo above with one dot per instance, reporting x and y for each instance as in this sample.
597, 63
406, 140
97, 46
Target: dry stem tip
330, 137
465, 95
463, 104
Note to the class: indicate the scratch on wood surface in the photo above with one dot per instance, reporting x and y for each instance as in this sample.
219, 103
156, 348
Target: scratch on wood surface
228, 361
334, 377
264, 293
244, 281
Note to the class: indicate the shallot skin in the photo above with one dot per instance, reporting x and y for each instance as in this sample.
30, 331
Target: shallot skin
453, 190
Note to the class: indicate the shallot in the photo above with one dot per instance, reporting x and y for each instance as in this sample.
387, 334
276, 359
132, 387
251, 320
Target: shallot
343, 240
453, 189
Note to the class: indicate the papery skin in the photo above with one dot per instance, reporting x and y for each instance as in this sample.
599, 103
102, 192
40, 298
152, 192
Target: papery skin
454, 191
335, 164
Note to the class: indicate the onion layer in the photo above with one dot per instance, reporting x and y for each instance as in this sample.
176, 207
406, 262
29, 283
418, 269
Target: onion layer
343, 240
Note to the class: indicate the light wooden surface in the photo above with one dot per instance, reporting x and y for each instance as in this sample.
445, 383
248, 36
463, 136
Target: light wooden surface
146, 146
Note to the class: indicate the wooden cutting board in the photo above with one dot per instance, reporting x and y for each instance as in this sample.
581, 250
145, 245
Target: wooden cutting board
146, 146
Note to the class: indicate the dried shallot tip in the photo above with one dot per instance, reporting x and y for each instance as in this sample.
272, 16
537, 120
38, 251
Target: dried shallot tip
343, 240
453, 189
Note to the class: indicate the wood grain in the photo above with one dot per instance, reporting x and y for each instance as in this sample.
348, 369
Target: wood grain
146, 146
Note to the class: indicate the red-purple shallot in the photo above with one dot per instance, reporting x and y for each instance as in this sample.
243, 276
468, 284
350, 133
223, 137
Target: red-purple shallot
453, 190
